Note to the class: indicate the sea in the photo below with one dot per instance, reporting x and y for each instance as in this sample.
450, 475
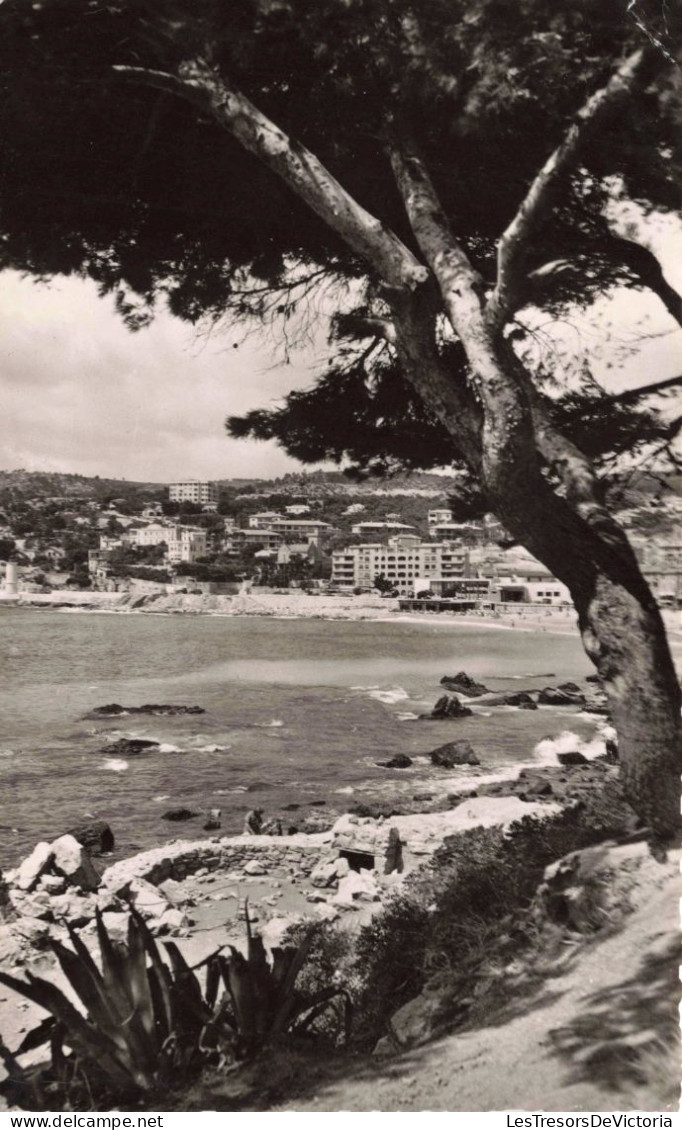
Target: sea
297, 713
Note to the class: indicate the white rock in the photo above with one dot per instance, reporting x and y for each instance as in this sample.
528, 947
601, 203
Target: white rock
255, 867
116, 925
356, 885
34, 930
29, 872
325, 873
73, 862
170, 922
53, 884
72, 908
149, 901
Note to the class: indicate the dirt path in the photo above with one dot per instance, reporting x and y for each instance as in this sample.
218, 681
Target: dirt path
598, 1035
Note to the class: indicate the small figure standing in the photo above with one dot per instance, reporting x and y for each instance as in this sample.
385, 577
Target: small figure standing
253, 822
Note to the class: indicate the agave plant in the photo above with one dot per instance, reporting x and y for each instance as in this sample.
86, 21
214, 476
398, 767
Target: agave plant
143, 1021
264, 1004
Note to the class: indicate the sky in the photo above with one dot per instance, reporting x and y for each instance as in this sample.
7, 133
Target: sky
80, 393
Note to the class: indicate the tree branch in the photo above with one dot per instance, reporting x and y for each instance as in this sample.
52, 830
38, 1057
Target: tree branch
632, 395
297, 166
647, 269
539, 199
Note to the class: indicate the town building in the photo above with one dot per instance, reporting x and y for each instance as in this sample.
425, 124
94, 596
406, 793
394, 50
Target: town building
297, 509
380, 529
405, 561
301, 529
185, 543
264, 539
154, 534
264, 520
438, 516
204, 494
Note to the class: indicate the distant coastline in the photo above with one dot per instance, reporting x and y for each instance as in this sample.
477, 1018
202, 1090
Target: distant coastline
527, 618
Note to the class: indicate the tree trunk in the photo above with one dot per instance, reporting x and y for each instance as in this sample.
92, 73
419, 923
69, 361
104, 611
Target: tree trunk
624, 636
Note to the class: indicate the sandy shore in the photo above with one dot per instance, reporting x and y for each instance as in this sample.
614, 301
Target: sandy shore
293, 606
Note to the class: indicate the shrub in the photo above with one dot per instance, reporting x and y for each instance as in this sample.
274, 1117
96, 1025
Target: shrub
455, 911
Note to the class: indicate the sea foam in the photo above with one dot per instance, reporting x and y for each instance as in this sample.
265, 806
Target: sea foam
115, 764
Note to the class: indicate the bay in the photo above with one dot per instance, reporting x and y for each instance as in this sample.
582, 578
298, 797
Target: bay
297, 711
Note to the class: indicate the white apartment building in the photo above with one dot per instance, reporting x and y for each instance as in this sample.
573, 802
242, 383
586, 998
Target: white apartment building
403, 561
204, 494
265, 539
300, 529
297, 509
185, 543
438, 516
264, 520
367, 529
153, 534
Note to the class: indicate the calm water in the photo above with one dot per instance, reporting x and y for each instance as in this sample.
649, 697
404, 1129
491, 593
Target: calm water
299, 710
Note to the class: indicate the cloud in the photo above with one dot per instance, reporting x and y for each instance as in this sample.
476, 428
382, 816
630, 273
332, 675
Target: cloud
81, 393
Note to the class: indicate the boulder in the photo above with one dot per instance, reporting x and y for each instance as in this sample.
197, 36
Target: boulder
130, 747
72, 861
593, 678
399, 761
148, 900
464, 684
116, 925
96, 837
570, 688
255, 867
356, 885
328, 871
555, 696
571, 758
212, 820
535, 787
448, 706
76, 910
411, 1025
180, 814
522, 699
454, 753
29, 872
33, 930
52, 884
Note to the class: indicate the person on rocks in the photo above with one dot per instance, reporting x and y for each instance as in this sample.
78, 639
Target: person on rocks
253, 822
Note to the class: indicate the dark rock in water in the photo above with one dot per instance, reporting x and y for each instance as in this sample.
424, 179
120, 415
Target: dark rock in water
448, 706
555, 696
454, 753
130, 747
422, 796
535, 787
611, 754
290, 807
317, 803
571, 758
180, 814
148, 708
520, 698
374, 811
400, 761
96, 837
594, 678
571, 688
464, 684
212, 820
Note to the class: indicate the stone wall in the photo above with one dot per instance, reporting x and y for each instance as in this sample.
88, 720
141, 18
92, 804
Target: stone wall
183, 858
